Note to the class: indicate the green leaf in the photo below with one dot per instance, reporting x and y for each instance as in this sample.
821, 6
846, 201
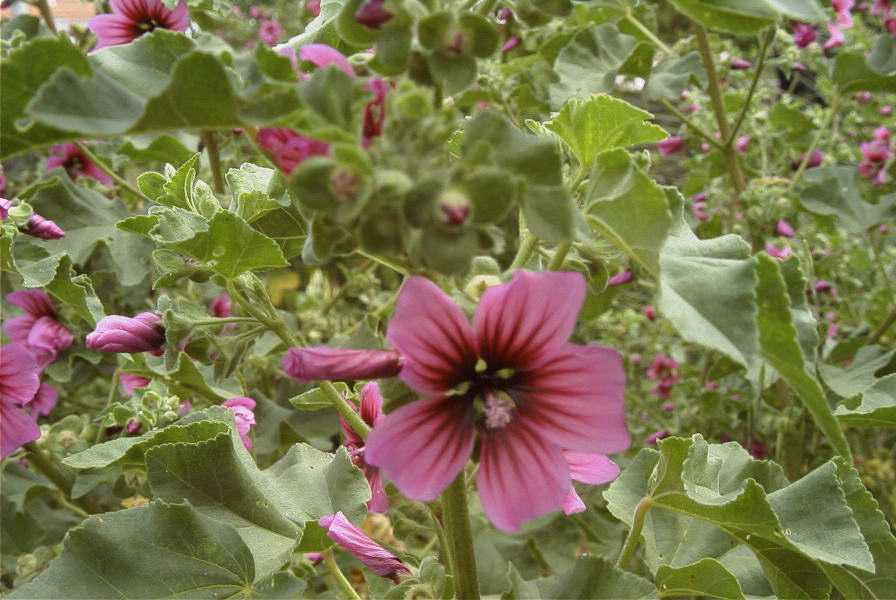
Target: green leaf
780, 347
852, 73
589, 63
882, 59
602, 123
747, 17
627, 207
834, 191
158, 149
160, 550
706, 577
875, 407
846, 382
546, 204
256, 191
670, 78
321, 28
590, 578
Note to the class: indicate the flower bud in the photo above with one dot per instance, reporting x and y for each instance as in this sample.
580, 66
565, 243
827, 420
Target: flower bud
221, 306
784, 229
620, 279
477, 285
670, 145
323, 362
117, 333
373, 14
454, 208
741, 64
355, 541
42, 228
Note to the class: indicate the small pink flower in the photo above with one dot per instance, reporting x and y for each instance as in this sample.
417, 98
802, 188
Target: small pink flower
132, 18
742, 144
705, 147
656, 436
886, 110
130, 382
256, 12
593, 469
699, 198
244, 417
269, 31
185, 408
504, 15
863, 97
882, 134
373, 14
843, 8
132, 426
371, 411
664, 370
221, 306
19, 382
650, 313
511, 43
779, 253
803, 35
513, 381
741, 64
699, 213
76, 163
823, 286
42, 228
38, 330
375, 557
116, 333
620, 278
323, 362
836, 38
670, 145
288, 148
784, 229
815, 160
668, 407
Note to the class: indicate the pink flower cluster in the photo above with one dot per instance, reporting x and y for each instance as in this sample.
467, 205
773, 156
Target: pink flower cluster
664, 370
877, 155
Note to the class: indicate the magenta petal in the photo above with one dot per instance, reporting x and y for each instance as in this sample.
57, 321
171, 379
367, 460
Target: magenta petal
379, 501
593, 469
44, 401
433, 336
324, 362
322, 56
112, 30
91, 170
516, 322
375, 557
17, 427
422, 446
576, 397
34, 302
573, 504
19, 327
522, 475
19, 375
371, 403
48, 334
179, 18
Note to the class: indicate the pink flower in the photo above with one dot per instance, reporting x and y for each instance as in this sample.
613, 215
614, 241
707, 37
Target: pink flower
130, 382
779, 253
784, 229
513, 381
886, 110
375, 557
650, 313
75, 163
322, 56
863, 97
42, 228
288, 148
221, 306
803, 35
374, 111
843, 8
511, 43
373, 14
882, 134
742, 144
116, 333
705, 147
656, 436
371, 412
44, 400
740, 64
836, 37
19, 382
699, 212
664, 370
132, 18
269, 31
620, 278
323, 362
313, 7
668, 407
670, 145
593, 469
244, 417
184, 409
37, 330
824, 286
815, 159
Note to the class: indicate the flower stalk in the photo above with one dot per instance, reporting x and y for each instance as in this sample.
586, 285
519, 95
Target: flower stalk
333, 568
456, 517
634, 534
48, 466
210, 141
345, 411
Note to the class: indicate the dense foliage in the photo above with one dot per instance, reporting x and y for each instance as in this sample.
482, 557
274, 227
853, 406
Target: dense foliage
432, 299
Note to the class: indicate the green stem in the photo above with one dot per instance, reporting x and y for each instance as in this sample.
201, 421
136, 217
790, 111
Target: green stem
273, 323
121, 181
634, 534
44, 8
528, 243
692, 125
223, 321
345, 410
210, 141
763, 53
631, 18
559, 257
882, 329
49, 467
718, 108
835, 103
113, 389
385, 262
444, 546
336, 572
63, 501
457, 527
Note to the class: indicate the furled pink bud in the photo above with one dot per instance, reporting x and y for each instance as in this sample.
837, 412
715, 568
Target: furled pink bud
510, 44
882, 134
741, 64
620, 278
373, 14
742, 144
325, 362
656, 436
130, 382
784, 229
117, 333
243, 416
650, 313
42, 228
221, 306
670, 145
355, 541
803, 35
815, 159
822, 286
886, 110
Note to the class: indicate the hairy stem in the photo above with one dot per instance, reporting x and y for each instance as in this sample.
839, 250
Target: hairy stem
43, 6
49, 467
330, 562
878, 333
634, 534
559, 257
210, 141
345, 410
528, 243
631, 18
456, 517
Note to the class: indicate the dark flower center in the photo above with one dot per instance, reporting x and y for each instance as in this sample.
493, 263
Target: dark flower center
490, 392
149, 25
